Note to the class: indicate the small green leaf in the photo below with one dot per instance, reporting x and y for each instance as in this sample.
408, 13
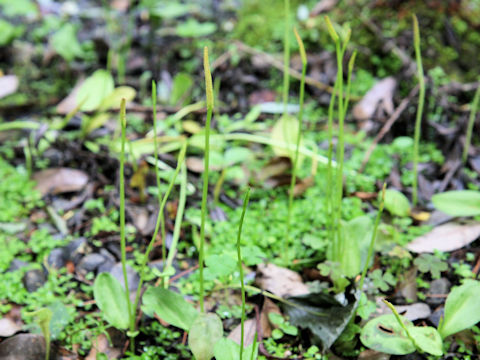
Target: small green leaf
169, 306
205, 332
94, 90
384, 334
113, 100
427, 339
458, 202
110, 298
277, 334
461, 308
182, 86
221, 265
65, 42
227, 349
285, 130
396, 203
192, 28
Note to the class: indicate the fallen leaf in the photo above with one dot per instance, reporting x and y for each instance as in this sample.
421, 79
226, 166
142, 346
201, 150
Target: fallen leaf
8, 85
380, 93
411, 312
250, 329
8, 327
325, 315
323, 6
70, 102
303, 185
448, 237
60, 180
100, 346
280, 281
268, 307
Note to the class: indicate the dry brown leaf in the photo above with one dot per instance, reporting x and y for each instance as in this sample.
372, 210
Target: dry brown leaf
101, 346
280, 281
303, 185
411, 312
70, 102
268, 307
60, 180
248, 335
8, 85
197, 165
8, 327
448, 237
323, 6
381, 92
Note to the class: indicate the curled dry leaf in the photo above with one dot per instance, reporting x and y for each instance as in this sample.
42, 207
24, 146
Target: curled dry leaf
249, 334
380, 93
8, 85
448, 237
280, 281
101, 346
60, 180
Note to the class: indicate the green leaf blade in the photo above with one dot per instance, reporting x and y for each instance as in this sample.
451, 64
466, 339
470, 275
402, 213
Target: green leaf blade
110, 298
458, 202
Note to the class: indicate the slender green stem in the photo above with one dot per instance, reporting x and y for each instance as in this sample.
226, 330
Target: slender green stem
400, 322
330, 192
178, 222
286, 56
421, 101
374, 236
131, 317
254, 346
209, 95
303, 55
240, 269
471, 122
155, 155
180, 160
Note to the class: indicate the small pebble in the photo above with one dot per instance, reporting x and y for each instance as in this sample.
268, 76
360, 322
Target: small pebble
57, 258
132, 276
34, 279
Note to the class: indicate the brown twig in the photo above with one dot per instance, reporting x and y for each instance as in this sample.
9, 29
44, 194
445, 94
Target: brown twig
293, 73
386, 128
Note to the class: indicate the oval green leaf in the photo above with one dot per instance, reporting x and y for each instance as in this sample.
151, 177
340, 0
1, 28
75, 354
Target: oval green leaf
110, 298
458, 202
461, 308
385, 334
95, 88
205, 332
169, 306
113, 100
396, 203
427, 339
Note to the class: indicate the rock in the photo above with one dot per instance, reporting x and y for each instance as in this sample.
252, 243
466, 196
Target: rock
17, 264
438, 287
436, 316
90, 263
24, 347
109, 261
34, 279
132, 276
57, 258
76, 249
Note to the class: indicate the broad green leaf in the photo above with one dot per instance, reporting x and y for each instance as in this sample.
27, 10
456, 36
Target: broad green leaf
205, 332
110, 298
65, 42
396, 203
169, 306
95, 89
113, 100
8, 32
227, 349
458, 203
461, 308
192, 28
356, 236
236, 155
285, 130
384, 334
91, 123
221, 265
427, 339
19, 8
168, 10
182, 85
